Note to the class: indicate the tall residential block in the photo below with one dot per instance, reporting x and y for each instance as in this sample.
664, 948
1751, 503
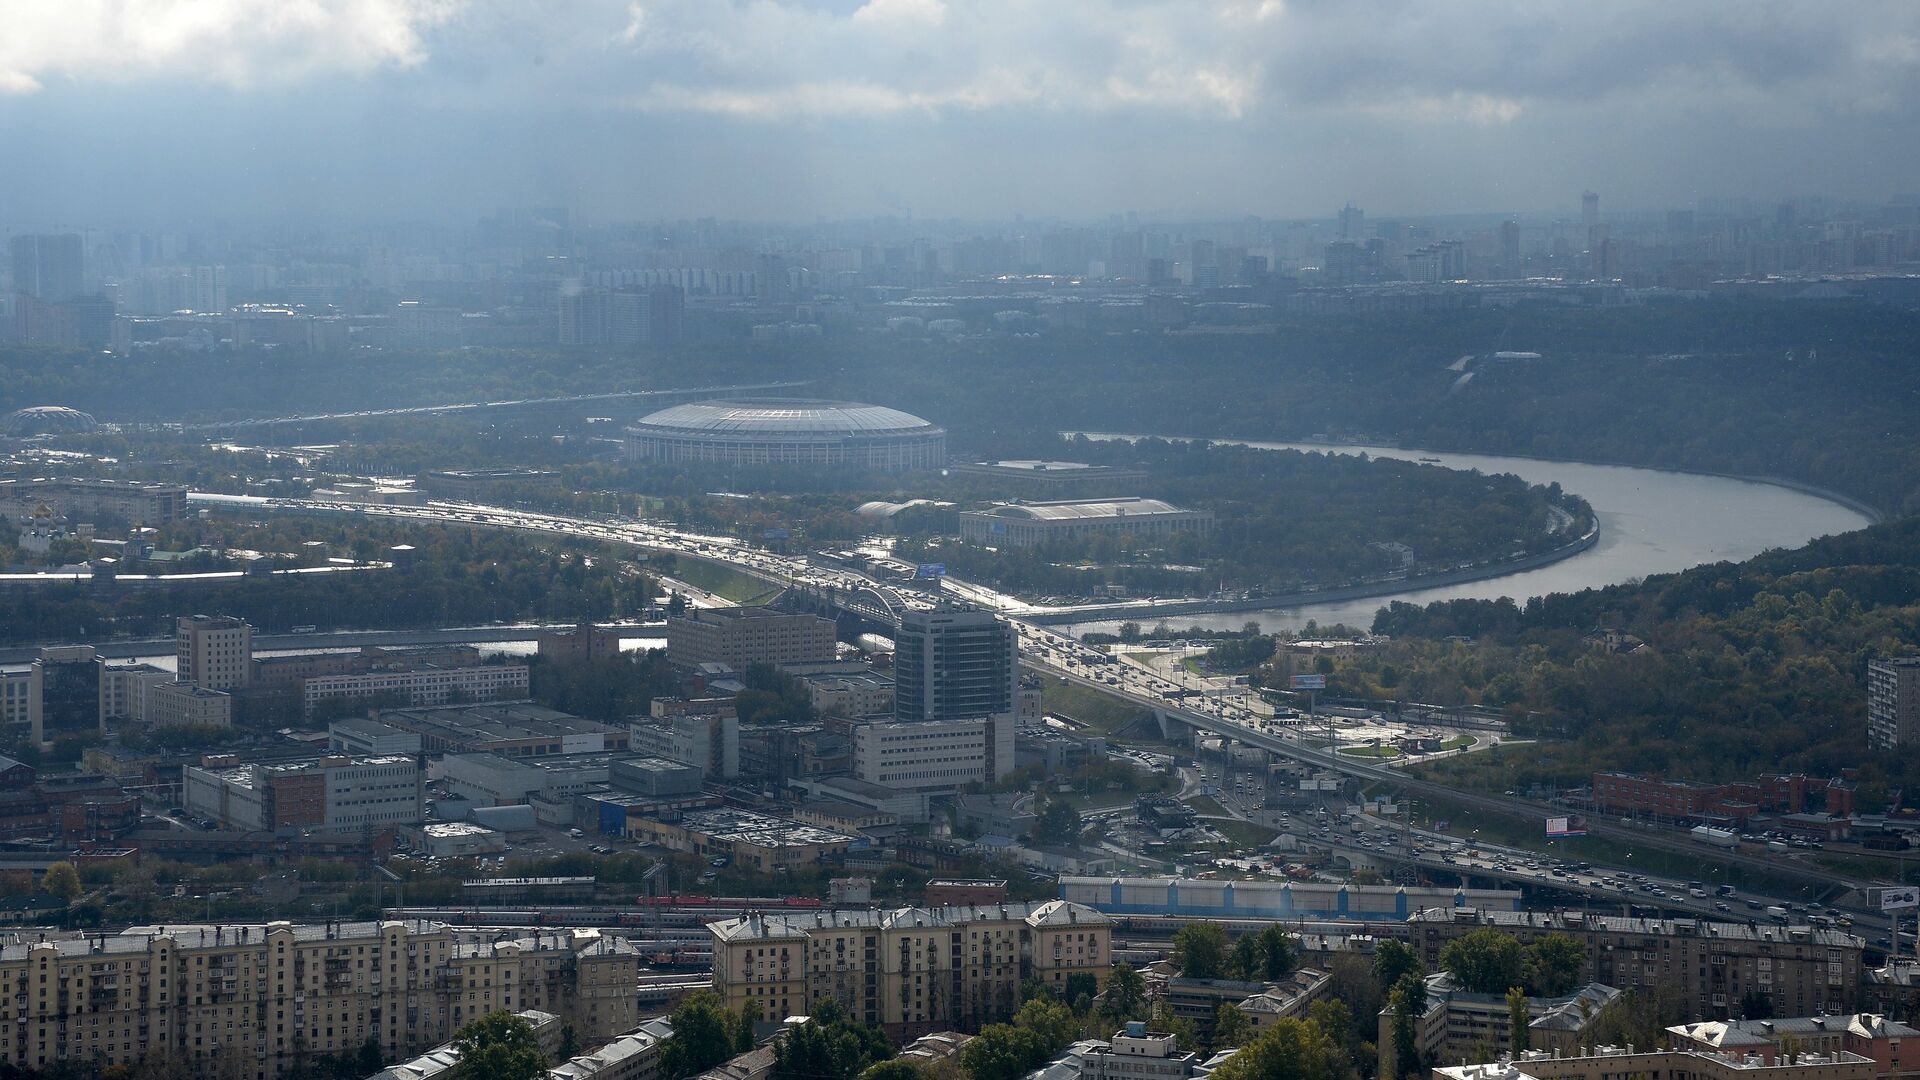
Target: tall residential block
47, 268
1893, 703
214, 652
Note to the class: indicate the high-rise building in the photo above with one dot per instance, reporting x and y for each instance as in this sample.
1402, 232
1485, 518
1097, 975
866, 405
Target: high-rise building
1590, 209
1510, 248
1352, 221
47, 268
1893, 703
63, 696
743, 636
210, 289
951, 664
213, 652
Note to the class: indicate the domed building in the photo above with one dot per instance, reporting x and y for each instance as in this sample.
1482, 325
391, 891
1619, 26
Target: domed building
46, 420
785, 431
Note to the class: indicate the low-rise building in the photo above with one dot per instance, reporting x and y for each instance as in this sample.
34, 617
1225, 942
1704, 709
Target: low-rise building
512, 729
1029, 523
751, 841
182, 704
1134, 1053
933, 755
363, 735
334, 793
497, 780
1457, 1023
418, 686
696, 731
454, 839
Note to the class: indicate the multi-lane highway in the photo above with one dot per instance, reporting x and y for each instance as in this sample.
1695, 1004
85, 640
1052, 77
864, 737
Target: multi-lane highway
1064, 657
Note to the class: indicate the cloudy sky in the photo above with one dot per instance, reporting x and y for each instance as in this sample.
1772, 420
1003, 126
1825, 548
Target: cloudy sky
149, 111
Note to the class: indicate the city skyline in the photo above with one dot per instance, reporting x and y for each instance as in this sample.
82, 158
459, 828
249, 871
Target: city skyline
404, 109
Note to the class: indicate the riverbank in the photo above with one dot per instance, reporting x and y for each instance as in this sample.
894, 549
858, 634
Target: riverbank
1874, 514
1363, 591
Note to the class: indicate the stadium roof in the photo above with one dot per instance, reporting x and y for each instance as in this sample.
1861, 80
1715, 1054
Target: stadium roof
762, 416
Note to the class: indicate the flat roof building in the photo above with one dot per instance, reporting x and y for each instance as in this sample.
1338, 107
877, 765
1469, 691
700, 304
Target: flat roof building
426, 685
752, 841
213, 651
514, 729
1030, 523
740, 637
1613, 1062
1055, 479
334, 793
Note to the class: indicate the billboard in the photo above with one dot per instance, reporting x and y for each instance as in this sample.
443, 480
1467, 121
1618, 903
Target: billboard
931, 570
1566, 826
1309, 682
1904, 896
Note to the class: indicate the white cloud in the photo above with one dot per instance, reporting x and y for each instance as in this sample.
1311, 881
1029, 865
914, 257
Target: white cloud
236, 42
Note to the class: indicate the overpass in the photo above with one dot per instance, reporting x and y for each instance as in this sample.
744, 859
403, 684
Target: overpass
343, 639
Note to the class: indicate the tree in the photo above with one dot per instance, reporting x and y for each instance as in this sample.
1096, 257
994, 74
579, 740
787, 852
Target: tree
1200, 949
499, 1046
1291, 1049
1185, 1034
743, 1024
1126, 992
1001, 1052
1485, 961
829, 1046
1059, 823
1081, 986
1391, 960
1230, 1027
1279, 952
1554, 963
62, 880
1519, 1019
703, 1036
370, 1058
896, 1069
1406, 1046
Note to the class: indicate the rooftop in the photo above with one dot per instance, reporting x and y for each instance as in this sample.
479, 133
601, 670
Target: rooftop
1616, 924
755, 926
492, 722
793, 416
758, 829
1084, 509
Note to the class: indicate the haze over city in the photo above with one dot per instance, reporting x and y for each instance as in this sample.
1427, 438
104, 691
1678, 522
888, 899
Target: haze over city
135, 112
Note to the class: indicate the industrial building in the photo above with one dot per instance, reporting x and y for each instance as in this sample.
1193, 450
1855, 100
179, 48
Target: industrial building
752, 841
1029, 523
496, 780
1286, 901
256, 1000
362, 736
911, 971
741, 637
933, 755
776, 431
703, 732
336, 793
513, 729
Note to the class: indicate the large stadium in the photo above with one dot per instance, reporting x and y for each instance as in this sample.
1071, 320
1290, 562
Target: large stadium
785, 431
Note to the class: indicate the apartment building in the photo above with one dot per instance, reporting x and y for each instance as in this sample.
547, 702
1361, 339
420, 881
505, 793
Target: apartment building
251, 1001
1893, 703
1893, 1047
1800, 970
912, 971
1617, 1063
419, 686
214, 652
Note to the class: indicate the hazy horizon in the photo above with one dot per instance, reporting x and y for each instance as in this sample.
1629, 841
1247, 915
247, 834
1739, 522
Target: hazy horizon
140, 111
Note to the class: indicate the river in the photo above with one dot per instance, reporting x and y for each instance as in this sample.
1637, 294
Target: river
1652, 521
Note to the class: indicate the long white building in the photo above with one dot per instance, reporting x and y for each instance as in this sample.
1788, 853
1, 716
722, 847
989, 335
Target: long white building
427, 686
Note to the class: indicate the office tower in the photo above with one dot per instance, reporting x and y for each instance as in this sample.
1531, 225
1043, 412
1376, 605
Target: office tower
64, 693
1352, 220
1510, 247
950, 664
47, 268
214, 652
1590, 209
1893, 703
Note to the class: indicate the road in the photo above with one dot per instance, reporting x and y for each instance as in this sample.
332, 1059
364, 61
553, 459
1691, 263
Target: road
1061, 656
